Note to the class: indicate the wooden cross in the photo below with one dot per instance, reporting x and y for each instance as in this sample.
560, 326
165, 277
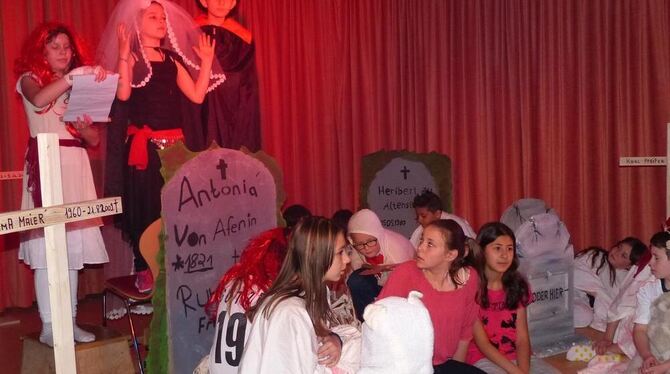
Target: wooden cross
53, 216
654, 161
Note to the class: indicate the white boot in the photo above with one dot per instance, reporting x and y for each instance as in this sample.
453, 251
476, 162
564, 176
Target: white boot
81, 336
47, 335
42, 293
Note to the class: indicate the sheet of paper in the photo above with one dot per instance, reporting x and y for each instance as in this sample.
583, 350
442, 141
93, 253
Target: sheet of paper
91, 97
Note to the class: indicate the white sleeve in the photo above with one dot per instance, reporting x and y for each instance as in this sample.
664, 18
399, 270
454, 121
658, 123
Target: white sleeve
585, 277
643, 309
416, 236
398, 248
625, 303
289, 343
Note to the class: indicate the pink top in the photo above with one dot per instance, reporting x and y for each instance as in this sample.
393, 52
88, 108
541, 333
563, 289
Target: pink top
453, 313
500, 326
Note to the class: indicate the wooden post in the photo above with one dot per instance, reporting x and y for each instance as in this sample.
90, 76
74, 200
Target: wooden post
654, 161
56, 256
53, 216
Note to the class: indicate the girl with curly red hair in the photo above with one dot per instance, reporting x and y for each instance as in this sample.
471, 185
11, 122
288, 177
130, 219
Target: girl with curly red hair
50, 57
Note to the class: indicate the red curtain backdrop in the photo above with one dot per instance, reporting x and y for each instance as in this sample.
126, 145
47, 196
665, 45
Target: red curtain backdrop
529, 98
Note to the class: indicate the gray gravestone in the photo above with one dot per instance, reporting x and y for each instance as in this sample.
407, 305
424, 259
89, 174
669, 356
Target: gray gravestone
392, 191
212, 206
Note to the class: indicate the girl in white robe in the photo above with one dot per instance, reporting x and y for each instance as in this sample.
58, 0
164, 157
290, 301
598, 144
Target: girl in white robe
598, 276
290, 330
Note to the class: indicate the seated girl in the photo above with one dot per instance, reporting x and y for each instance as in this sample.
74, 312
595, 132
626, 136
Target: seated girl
618, 335
501, 340
377, 250
651, 335
239, 289
599, 275
448, 287
291, 322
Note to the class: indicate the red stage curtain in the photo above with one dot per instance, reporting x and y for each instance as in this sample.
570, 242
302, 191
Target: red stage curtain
529, 98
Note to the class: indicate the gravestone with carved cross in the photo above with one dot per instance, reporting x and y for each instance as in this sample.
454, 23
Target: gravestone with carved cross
391, 180
212, 205
52, 217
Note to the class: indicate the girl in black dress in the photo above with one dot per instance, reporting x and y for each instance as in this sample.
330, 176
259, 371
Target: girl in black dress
156, 60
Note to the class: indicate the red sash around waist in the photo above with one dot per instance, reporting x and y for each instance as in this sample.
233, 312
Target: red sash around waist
139, 153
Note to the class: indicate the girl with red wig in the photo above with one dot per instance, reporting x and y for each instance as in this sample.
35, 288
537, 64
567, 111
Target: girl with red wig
238, 290
244, 284
50, 57
291, 322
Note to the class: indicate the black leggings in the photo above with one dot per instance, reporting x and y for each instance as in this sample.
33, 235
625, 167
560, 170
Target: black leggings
456, 367
364, 289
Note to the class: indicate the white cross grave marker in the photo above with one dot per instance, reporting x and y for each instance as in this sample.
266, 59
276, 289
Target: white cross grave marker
53, 216
654, 161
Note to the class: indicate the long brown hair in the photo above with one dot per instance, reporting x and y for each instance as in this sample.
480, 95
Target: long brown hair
454, 239
310, 254
514, 284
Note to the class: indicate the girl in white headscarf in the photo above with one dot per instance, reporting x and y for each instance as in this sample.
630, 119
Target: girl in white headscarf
375, 251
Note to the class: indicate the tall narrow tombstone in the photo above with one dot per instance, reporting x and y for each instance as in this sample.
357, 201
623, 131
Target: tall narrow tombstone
546, 260
212, 205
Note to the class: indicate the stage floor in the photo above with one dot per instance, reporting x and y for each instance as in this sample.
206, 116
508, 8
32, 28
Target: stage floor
89, 313
90, 310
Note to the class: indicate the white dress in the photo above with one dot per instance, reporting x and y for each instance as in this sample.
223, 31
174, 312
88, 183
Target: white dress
84, 240
587, 282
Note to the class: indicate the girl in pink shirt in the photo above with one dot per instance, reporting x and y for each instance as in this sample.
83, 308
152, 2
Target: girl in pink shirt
449, 288
501, 341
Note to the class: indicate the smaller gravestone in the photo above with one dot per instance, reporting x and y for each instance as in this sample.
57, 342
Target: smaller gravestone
546, 260
391, 180
212, 206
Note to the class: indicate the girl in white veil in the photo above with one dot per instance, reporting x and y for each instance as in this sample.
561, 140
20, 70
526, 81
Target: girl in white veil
182, 34
161, 57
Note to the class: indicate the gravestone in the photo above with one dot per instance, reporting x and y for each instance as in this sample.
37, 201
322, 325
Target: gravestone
391, 180
212, 205
546, 260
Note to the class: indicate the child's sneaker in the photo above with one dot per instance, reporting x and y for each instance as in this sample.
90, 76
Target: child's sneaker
144, 281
